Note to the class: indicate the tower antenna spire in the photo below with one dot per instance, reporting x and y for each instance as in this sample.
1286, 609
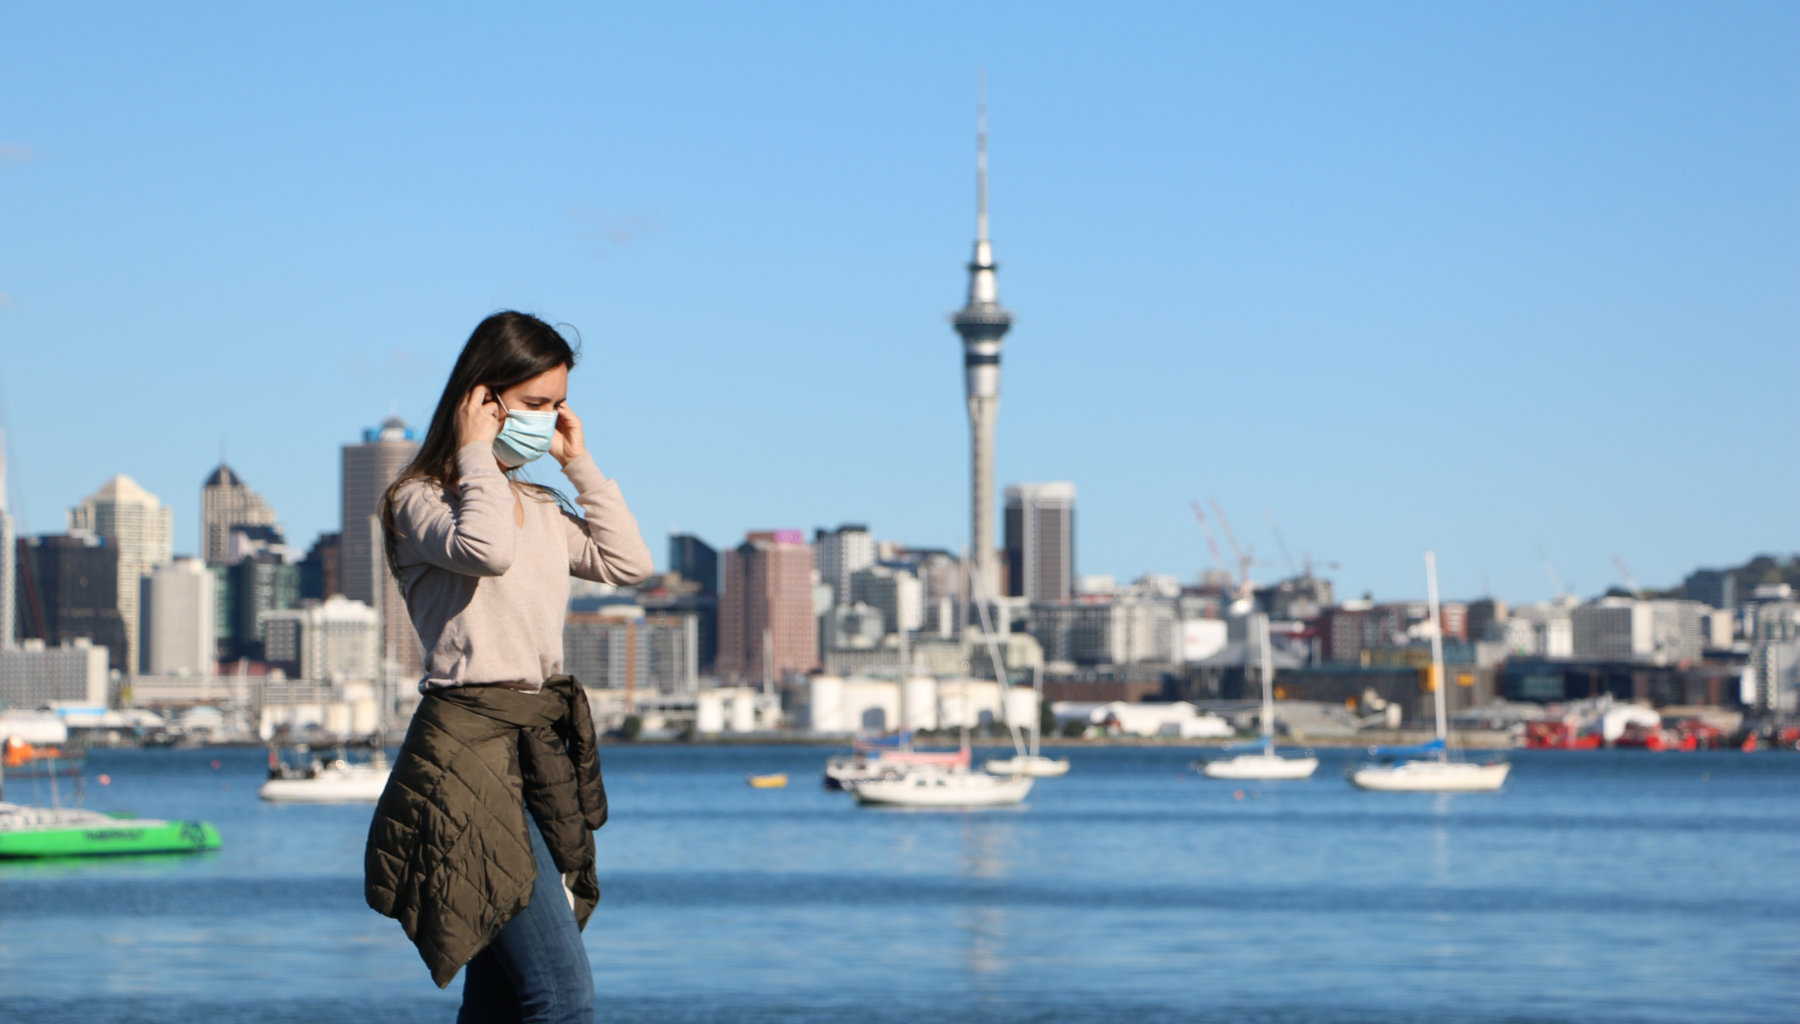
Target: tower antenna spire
981, 213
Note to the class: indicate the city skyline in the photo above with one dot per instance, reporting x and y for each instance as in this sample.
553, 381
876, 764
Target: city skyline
1486, 280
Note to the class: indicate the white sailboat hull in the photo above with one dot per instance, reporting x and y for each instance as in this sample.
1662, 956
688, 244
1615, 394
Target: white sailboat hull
1261, 766
1431, 777
1035, 765
943, 789
348, 785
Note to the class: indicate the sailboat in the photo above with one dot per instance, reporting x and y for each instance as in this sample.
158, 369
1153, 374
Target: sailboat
926, 785
1264, 762
1433, 771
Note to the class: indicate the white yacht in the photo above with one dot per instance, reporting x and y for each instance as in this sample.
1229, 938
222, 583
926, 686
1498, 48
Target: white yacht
1437, 773
1264, 762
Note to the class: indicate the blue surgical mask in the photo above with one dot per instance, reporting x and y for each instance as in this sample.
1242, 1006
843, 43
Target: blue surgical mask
526, 436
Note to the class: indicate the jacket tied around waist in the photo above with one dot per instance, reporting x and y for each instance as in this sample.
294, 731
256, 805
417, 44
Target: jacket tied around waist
449, 854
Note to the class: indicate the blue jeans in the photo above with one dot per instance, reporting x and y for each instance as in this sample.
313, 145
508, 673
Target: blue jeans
536, 969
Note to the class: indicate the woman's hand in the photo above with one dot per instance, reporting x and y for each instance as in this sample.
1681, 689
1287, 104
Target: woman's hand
478, 418
567, 444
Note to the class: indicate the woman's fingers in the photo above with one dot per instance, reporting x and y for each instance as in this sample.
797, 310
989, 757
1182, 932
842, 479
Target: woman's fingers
567, 443
475, 420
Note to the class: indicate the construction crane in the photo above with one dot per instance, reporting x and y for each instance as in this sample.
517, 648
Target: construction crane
1244, 558
1211, 541
1630, 580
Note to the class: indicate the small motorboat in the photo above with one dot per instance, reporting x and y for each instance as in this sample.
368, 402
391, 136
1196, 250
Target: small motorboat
337, 781
774, 781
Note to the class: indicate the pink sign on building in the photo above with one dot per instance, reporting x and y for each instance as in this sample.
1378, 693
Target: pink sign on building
789, 537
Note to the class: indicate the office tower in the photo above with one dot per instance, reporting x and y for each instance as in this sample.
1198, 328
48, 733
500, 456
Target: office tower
256, 587
131, 519
368, 469
766, 623
982, 324
694, 559
320, 575
68, 587
180, 619
840, 553
1040, 540
225, 502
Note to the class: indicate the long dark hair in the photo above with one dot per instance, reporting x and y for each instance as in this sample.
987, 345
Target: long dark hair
505, 349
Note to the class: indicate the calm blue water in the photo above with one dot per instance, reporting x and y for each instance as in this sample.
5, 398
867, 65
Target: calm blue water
1597, 887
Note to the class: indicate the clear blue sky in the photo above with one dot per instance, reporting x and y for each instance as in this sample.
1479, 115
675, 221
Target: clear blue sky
1480, 277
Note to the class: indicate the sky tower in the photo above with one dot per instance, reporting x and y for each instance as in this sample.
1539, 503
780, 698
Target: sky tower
982, 323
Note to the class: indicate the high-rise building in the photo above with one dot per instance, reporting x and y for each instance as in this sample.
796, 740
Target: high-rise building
320, 573
841, 552
131, 519
694, 559
696, 562
368, 469
1040, 540
766, 623
68, 587
982, 324
225, 502
252, 589
180, 619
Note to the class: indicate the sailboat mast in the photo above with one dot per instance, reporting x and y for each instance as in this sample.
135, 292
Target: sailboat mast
1437, 642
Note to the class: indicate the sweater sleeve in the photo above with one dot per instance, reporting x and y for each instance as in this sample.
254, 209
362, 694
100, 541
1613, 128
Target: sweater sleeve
605, 547
476, 535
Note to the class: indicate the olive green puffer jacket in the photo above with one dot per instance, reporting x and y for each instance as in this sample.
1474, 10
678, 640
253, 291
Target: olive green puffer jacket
448, 854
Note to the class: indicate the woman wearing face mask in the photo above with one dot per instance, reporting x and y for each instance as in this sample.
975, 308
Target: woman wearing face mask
482, 845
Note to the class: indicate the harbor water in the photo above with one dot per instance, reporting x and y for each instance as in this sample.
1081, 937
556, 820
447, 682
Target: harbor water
1598, 886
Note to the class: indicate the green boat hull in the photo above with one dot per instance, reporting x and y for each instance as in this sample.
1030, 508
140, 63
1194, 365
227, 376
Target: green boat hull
110, 838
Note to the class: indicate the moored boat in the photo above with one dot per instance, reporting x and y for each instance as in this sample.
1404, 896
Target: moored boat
929, 786
337, 781
1263, 762
35, 832
1435, 773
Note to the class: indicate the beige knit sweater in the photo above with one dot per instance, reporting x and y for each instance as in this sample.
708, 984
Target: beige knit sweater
488, 596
